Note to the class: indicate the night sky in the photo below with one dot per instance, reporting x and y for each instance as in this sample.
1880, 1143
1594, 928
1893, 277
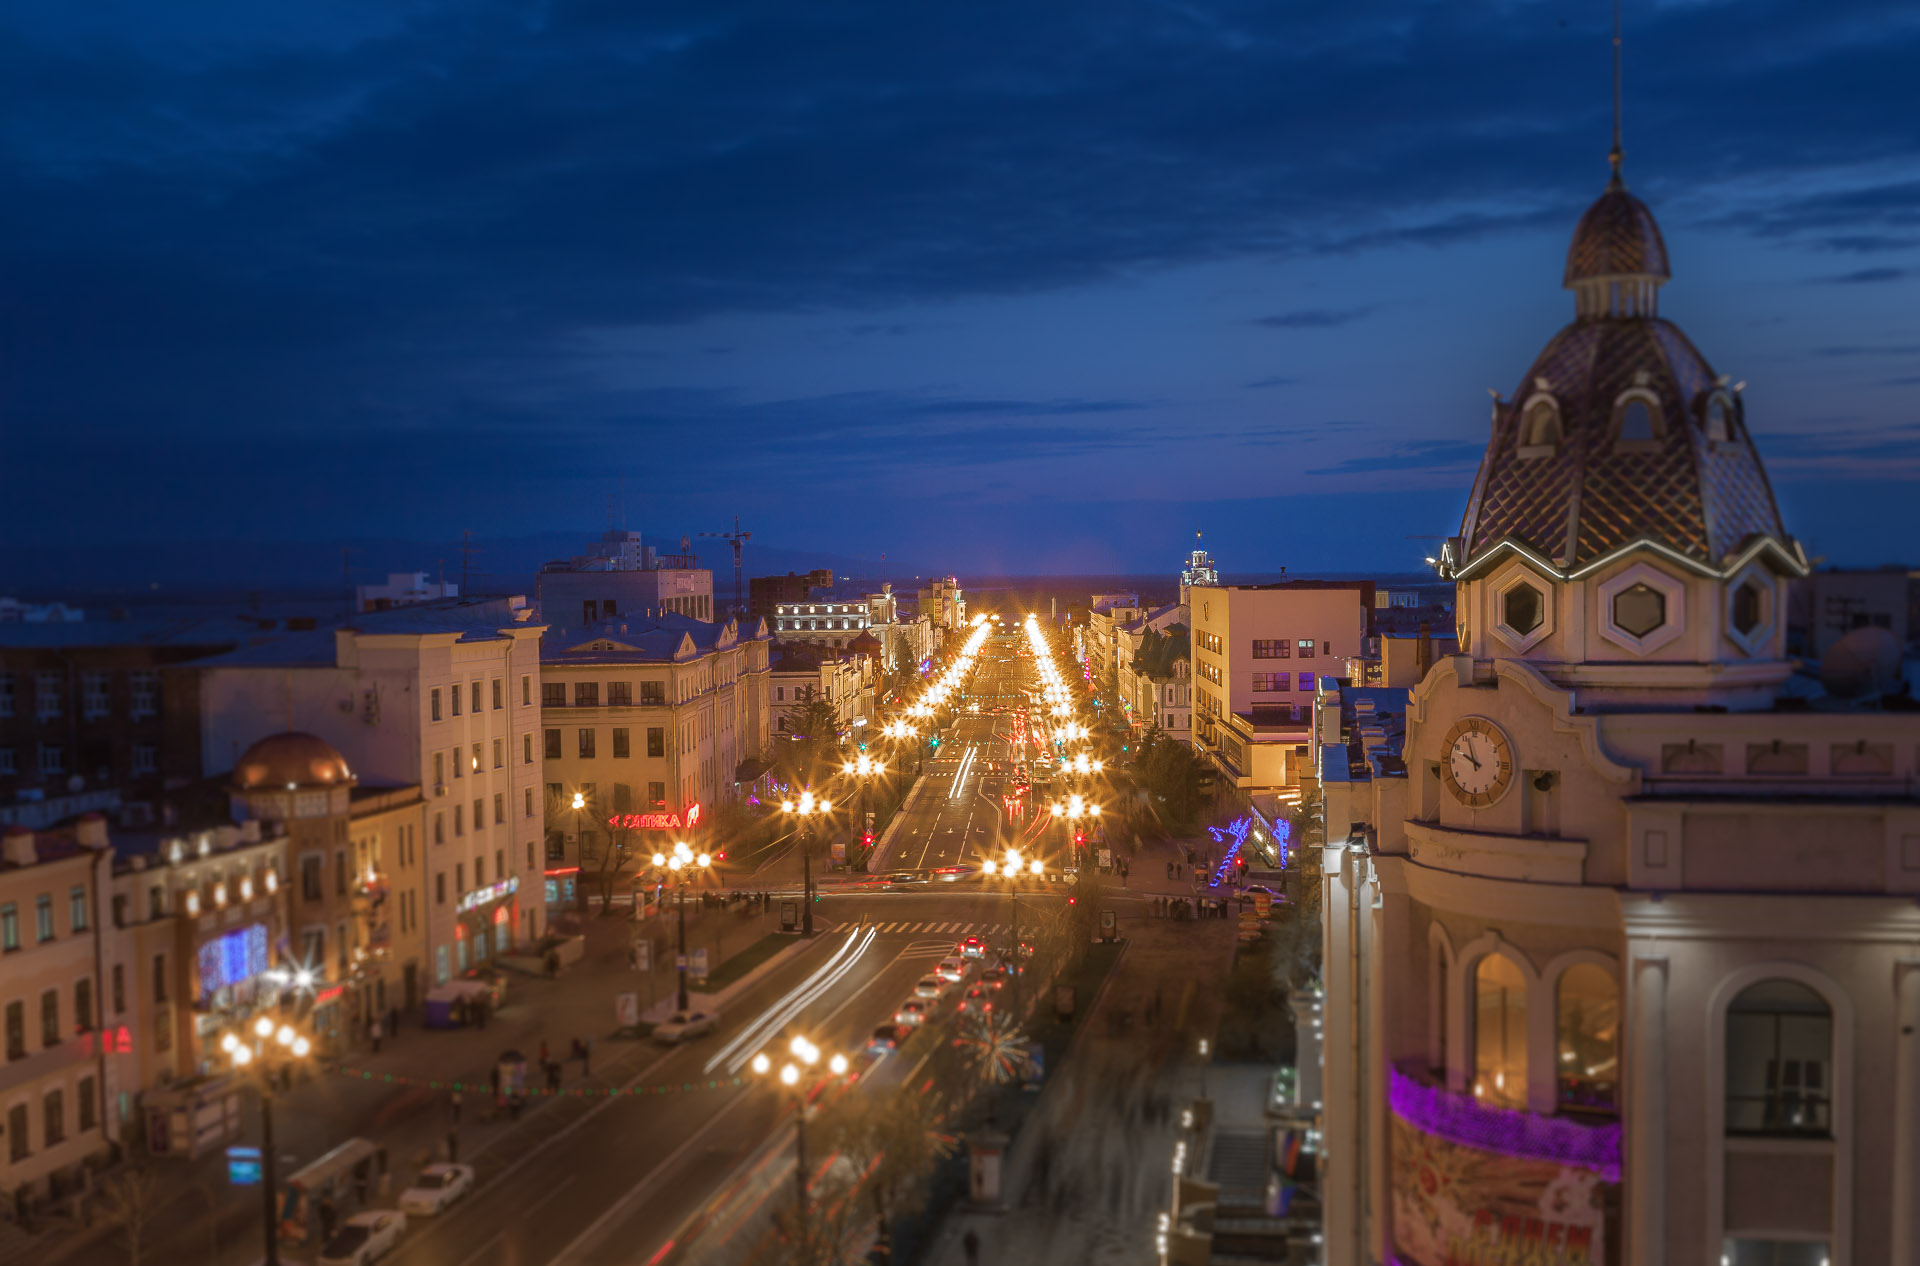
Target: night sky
1031, 287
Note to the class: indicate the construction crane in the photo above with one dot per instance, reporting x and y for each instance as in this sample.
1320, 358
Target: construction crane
736, 538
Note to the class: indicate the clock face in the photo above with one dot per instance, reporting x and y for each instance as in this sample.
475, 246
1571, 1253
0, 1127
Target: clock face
1477, 765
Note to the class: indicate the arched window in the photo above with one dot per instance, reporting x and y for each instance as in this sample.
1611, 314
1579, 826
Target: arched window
1719, 418
1500, 1032
1587, 1054
1779, 1061
1541, 426
1636, 420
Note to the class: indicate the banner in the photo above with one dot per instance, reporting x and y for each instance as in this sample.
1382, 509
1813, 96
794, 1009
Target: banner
1455, 1205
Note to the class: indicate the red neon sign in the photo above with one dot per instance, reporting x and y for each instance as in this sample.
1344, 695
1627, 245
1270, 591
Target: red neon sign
655, 821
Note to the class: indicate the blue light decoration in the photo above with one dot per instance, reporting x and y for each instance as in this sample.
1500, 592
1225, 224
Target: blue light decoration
1238, 829
233, 959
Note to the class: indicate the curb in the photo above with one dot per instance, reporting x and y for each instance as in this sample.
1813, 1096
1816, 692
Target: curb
893, 827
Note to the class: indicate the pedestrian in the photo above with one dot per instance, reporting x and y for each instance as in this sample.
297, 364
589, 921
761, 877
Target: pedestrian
373, 1031
553, 1077
972, 1246
454, 1103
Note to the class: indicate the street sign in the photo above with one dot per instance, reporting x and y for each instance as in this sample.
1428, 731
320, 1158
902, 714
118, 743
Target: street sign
679, 960
700, 965
640, 955
243, 1166
1109, 925
626, 1010
789, 916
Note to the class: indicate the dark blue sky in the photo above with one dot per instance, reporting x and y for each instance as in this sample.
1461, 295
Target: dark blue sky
985, 286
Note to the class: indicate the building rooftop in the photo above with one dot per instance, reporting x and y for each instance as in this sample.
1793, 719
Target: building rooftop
651, 640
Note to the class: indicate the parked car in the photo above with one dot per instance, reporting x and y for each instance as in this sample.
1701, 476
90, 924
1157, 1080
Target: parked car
930, 987
684, 1026
952, 968
438, 1186
363, 1238
972, 947
886, 1040
912, 1014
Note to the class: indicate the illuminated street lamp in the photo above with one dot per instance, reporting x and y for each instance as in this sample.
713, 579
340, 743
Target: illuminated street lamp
865, 769
264, 1052
1012, 868
1072, 813
804, 1055
806, 808
681, 866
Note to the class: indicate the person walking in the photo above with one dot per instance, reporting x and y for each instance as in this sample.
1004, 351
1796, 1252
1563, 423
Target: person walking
373, 1031
971, 1244
454, 1104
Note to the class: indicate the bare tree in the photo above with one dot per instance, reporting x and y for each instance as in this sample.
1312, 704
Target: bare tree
894, 1137
129, 1201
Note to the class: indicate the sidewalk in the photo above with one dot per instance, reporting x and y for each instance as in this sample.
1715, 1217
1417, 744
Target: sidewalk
369, 1095
1091, 1170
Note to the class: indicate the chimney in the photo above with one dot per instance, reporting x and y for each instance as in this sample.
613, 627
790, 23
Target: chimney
17, 849
91, 831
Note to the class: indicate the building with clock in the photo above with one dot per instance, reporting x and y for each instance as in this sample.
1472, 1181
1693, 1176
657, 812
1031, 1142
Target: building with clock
1622, 915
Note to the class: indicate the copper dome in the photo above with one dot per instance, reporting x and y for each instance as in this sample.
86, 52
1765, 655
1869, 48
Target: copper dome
1617, 237
292, 759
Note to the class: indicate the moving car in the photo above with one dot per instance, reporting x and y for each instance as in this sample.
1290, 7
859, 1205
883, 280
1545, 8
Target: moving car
979, 1001
683, 1026
911, 1014
438, 1186
906, 877
886, 1039
930, 987
363, 1238
952, 968
972, 947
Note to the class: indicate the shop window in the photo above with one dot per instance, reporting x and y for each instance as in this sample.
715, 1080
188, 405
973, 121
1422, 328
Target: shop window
1500, 1033
1588, 1051
1751, 1252
1779, 1061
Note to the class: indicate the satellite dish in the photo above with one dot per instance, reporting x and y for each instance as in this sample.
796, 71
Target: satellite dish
1861, 665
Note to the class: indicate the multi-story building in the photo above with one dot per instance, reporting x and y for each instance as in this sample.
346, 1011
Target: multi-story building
1620, 913
802, 674
1156, 683
403, 588
622, 578
1259, 653
443, 696
826, 622
89, 710
944, 603
1827, 605
53, 1082
355, 879
764, 593
651, 720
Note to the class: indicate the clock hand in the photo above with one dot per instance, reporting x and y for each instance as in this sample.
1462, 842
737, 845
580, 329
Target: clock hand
1468, 749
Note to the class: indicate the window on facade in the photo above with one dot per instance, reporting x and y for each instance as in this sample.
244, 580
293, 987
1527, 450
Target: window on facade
1749, 607
459, 820
1305, 647
1587, 1067
1267, 682
1500, 1032
586, 694
1637, 421
526, 691
340, 872
1271, 648
433, 704
1523, 608
312, 886
657, 794
439, 828
552, 744
653, 693
49, 695
1541, 425
453, 696
8, 763
43, 916
1639, 610
77, 908
83, 1005
656, 740
473, 695
553, 694
53, 758
160, 978
619, 694
17, 1132
586, 744
528, 795
93, 694
1779, 1061
7, 700
440, 888
87, 1103
9, 927
119, 990
499, 693
54, 1117
146, 759
16, 1030
1719, 418
143, 693
621, 747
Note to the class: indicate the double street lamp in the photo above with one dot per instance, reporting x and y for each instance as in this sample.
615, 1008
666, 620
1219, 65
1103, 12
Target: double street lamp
1072, 812
264, 1052
865, 769
805, 1056
807, 809
1013, 867
681, 866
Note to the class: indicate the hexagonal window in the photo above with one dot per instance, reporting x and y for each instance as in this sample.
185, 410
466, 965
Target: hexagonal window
1749, 607
1639, 610
1522, 608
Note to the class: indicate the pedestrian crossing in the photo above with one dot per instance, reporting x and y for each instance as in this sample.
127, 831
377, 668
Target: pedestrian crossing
926, 928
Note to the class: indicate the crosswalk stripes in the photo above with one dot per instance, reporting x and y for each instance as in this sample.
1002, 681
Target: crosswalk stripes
948, 929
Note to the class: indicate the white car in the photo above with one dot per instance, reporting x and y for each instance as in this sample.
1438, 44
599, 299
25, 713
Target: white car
930, 987
911, 1015
682, 1025
363, 1238
438, 1186
952, 968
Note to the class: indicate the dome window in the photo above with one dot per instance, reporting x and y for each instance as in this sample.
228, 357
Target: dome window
1540, 428
1636, 420
1521, 612
1749, 612
1640, 610
1522, 608
1719, 418
1748, 603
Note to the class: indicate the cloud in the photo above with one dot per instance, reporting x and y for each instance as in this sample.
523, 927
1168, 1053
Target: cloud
1865, 276
1870, 349
1261, 383
1313, 318
1430, 456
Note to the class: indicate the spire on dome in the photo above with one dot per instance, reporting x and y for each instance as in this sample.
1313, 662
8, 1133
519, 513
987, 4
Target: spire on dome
1616, 156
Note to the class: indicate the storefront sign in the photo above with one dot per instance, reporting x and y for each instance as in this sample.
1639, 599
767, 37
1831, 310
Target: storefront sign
655, 821
1474, 1185
243, 1166
492, 892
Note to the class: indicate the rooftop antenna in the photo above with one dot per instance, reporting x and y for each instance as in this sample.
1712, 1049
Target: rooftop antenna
467, 550
1616, 155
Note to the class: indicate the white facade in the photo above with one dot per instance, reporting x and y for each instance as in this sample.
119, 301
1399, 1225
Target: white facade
829, 622
443, 697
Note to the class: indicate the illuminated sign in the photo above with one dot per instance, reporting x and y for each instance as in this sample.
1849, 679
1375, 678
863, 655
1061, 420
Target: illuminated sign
492, 892
234, 958
655, 821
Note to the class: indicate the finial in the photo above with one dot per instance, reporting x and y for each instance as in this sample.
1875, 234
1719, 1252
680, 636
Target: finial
1616, 155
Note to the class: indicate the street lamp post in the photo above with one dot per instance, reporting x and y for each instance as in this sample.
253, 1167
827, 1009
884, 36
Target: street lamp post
805, 1055
865, 769
681, 865
1013, 868
1072, 812
807, 809
263, 1052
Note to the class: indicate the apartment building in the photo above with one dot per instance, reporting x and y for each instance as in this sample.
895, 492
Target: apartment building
1259, 653
648, 719
442, 696
620, 578
1156, 683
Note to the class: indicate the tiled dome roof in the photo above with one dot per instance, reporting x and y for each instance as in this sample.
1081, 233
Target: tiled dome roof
1617, 237
290, 759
